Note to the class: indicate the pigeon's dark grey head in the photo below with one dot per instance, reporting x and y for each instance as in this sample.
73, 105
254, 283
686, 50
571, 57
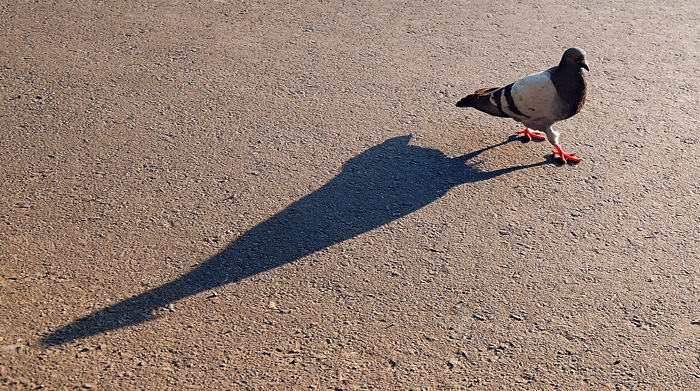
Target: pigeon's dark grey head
575, 57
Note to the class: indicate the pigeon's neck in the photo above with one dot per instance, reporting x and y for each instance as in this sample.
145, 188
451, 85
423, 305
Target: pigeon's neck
570, 83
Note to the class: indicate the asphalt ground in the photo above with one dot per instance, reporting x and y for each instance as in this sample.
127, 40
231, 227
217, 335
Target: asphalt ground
262, 195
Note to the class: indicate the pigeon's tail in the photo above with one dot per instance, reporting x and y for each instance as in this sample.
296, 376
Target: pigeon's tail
468, 101
481, 100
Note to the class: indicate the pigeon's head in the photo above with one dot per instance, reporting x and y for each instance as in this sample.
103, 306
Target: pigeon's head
575, 57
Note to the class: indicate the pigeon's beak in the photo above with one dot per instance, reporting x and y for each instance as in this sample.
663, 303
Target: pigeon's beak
584, 65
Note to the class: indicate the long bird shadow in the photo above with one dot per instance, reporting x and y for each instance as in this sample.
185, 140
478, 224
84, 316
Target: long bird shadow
384, 183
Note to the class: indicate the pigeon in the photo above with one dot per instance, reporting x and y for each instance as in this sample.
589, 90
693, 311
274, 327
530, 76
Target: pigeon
539, 100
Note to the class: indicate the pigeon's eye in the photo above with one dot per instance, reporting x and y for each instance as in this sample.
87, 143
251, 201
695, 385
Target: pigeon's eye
574, 56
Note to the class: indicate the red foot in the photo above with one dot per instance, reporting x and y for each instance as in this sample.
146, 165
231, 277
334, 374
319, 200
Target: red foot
530, 134
563, 155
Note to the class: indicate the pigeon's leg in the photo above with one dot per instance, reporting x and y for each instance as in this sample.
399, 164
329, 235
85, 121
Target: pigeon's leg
563, 155
529, 133
553, 138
